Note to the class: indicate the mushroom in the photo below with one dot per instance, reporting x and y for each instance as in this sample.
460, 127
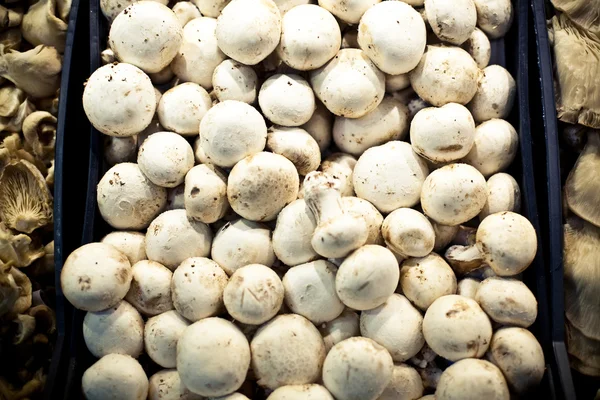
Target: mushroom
286, 100
15, 124
198, 55
367, 277
36, 71
310, 37
45, 22
261, 17
17, 291
150, 291
296, 145
198, 296
388, 121
345, 326
468, 287
107, 56
119, 99
399, 21
162, 77
116, 330
10, 17
176, 198
508, 242
444, 134
112, 8
494, 17
341, 166
205, 193
186, 11
259, 186
165, 158
173, 237
254, 294
455, 327
231, 131
495, 147
408, 233
11, 98
25, 328
182, 108
443, 235
390, 176
495, 94
293, 233
232, 80
161, 334
232, 396
425, 279
45, 319
478, 46
120, 149
395, 325
127, 199
211, 8
115, 376
17, 249
166, 384
357, 369
504, 194
581, 347
132, 244
406, 384
372, 216
464, 259
451, 22
445, 75
9, 291
395, 83
288, 350
349, 12
330, 84
472, 379
301, 392
507, 301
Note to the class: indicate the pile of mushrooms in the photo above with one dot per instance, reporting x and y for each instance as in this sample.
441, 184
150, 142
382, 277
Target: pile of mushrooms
32, 40
276, 235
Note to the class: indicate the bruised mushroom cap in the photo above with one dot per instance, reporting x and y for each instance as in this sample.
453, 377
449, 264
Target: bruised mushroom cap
130, 243
127, 199
232, 80
478, 46
472, 379
504, 194
494, 17
161, 334
507, 301
357, 368
296, 145
345, 326
293, 233
205, 193
115, 376
119, 99
452, 22
425, 279
165, 158
150, 291
349, 12
495, 94
408, 233
182, 108
166, 385
301, 392
508, 242
494, 148
118, 329
286, 100
95, 277
405, 384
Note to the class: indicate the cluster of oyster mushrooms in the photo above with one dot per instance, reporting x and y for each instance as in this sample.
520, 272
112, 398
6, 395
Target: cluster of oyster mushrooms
276, 234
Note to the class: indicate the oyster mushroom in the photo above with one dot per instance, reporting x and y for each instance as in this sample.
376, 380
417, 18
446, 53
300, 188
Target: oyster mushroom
23, 283
15, 123
11, 39
46, 23
9, 18
36, 72
9, 291
18, 250
39, 130
25, 328
11, 98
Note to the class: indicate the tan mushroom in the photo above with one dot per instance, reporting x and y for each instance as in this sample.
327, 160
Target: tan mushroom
46, 23
39, 130
24, 285
18, 250
9, 18
15, 123
36, 72
9, 291
11, 98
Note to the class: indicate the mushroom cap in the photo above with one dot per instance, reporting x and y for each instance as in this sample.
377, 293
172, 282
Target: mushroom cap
213, 357
259, 186
230, 131
350, 11
127, 199
310, 291
452, 22
205, 193
394, 83
146, 34
508, 242
406, 384
118, 329
425, 279
310, 36
494, 17
372, 216
165, 158
166, 384
479, 47
161, 334
495, 94
444, 134
182, 107
115, 376
388, 121
468, 287
112, 8
393, 35
507, 301
232, 80
186, 11
119, 99
150, 291
345, 326
445, 75
472, 379
443, 235
330, 84
301, 392
341, 165
293, 233
232, 396
296, 145
456, 327
96, 276
210, 8
254, 294
408, 233
367, 277
390, 176
357, 369
197, 288
504, 194
454, 194
199, 54
286, 100
261, 17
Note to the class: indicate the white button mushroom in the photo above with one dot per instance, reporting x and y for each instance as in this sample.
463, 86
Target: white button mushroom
286, 5
172, 237
455, 327
494, 17
132, 244
425, 279
301, 392
345, 326
367, 277
197, 288
348, 11
199, 54
508, 242
161, 335
504, 194
341, 166
296, 145
211, 8
495, 94
288, 350
112, 8
408, 233
495, 147
389, 121
181, 108
260, 186
454, 194
213, 357
150, 291
166, 385
293, 233
118, 330
444, 134
286, 100
230, 131
394, 83
472, 379
396, 325
232, 80
146, 34
507, 301
393, 35
119, 149
390, 176
95, 277
249, 30
406, 384
478, 46
119, 99
165, 158
254, 294
186, 11
115, 376
452, 22
468, 287
330, 84
310, 36
205, 193
374, 219
445, 75
357, 369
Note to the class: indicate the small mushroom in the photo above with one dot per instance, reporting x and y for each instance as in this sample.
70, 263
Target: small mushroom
341, 166
17, 249
205, 193
166, 384
464, 259
296, 145
150, 291
372, 216
115, 376
108, 56
472, 379
478, 46
45, 22
39, 130
161, 334
504, 194
286, 100
494, 17
165, 158
25, 328
495, 147
495, 94
232, 80
9, 291
468, 287
345, 326
348, 12
293, 233
45, 319
120, 149
186, 11
182, 108
406, 384
451, 22
130, 243
15, 123
395, 83
408, 233
36, 71
425, 279
23, 299
507, 301
11, 98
